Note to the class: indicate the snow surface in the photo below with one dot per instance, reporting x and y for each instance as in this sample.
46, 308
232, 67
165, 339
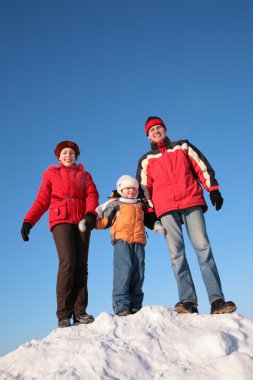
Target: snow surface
155, 343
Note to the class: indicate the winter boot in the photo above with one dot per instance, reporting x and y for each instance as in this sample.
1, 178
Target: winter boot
64, 323
123, 313
135, 310
221, 307
83, 319
186, 307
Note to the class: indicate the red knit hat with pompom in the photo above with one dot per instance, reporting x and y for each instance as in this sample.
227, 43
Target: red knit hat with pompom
66, 144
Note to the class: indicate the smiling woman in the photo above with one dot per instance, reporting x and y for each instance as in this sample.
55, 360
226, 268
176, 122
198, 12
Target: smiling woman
67, 157
66, 145
70, 194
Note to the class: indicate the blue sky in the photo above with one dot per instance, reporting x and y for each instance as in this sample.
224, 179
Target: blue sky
92, 72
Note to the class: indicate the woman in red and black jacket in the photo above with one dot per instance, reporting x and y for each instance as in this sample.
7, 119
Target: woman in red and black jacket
70, 194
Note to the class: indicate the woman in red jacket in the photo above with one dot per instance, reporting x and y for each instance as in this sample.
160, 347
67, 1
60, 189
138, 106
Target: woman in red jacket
70, 194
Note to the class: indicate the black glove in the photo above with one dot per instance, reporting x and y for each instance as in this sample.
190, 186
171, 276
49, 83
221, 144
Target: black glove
216, 199
90, 220
25, 231
150, 219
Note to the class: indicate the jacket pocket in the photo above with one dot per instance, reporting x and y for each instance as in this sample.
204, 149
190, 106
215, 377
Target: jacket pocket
58, 211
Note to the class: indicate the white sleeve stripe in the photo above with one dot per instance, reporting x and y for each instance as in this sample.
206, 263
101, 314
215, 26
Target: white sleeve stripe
192, 153
143, 175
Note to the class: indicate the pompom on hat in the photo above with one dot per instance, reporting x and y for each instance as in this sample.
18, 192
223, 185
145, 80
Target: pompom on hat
153, 120
126, 181
66, 144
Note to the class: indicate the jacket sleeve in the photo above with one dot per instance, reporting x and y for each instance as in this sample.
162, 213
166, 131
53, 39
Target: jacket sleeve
146, 184
42, 201
108, 214
201, 167
92, 195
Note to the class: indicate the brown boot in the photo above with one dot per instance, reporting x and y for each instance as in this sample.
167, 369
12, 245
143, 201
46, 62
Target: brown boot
186, 307
221, 307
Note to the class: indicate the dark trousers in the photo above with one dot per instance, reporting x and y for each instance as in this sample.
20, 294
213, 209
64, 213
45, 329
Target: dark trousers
72, 248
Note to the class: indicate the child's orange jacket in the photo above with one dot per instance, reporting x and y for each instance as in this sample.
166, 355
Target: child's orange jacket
126, 220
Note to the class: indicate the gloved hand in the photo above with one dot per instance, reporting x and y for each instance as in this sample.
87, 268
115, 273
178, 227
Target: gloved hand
216, 199
25, 231
158, 227
88, 222
82, 225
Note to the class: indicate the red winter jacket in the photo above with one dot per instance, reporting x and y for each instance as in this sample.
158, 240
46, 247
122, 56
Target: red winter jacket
171, 175
68, 192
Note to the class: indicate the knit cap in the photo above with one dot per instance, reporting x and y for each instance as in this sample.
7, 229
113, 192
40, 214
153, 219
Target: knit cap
153, 120
126, 181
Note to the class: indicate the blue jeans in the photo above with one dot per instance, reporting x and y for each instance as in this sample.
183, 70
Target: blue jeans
194, 222
128, 275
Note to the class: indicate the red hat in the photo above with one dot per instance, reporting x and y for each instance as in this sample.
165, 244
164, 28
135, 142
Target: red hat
66, 144
153, 120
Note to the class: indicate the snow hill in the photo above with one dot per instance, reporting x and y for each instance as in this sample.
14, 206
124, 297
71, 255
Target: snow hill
155, 343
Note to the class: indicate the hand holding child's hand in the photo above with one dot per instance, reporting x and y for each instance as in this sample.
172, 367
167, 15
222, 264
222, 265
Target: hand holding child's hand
88, 222
82, 225
158, 227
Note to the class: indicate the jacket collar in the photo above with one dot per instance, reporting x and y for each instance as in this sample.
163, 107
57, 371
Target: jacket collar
129, 200
161, 144
72, 167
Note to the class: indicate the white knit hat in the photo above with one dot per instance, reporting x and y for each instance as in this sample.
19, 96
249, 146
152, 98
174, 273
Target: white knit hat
126, 181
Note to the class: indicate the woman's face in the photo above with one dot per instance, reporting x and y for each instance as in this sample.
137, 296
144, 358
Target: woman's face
67, 157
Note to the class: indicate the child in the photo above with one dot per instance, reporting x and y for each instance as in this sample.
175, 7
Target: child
70, 194
125, 215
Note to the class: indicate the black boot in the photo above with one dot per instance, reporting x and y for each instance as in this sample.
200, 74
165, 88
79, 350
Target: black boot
123, 313
186, 307
221, 307
135, 310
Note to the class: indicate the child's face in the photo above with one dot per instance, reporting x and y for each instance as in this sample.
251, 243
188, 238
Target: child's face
67, 157
129, 192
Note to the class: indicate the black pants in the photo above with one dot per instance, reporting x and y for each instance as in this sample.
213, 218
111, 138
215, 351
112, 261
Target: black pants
72, 248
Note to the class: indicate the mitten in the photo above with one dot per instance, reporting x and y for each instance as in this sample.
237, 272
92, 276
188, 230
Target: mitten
216, 199
25, 231
158, 227
90, 220
149, 219
82, 225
